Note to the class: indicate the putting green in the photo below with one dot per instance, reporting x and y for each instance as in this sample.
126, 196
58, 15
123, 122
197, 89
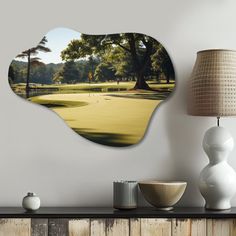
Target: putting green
115, 119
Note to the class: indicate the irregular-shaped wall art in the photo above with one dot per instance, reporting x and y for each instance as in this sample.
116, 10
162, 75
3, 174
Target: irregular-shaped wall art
105, 87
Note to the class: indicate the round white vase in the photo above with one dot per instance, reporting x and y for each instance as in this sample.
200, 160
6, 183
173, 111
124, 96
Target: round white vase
217, 181
31, 202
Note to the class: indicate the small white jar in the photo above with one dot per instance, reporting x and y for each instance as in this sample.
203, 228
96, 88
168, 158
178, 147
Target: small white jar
31, 202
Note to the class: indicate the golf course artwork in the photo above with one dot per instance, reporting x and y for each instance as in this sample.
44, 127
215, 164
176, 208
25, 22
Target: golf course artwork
105, 87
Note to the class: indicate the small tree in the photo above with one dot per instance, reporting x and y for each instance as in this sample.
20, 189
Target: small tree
11, 74
32, 60
57, 77
70, 73
104, 72
162, 64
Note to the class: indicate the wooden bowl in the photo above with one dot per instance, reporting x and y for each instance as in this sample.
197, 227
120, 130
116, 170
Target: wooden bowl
162, 194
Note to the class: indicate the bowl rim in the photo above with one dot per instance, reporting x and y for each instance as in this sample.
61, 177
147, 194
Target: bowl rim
162, 182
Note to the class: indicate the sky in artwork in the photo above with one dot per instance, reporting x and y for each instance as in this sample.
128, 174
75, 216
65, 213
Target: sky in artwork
58, 39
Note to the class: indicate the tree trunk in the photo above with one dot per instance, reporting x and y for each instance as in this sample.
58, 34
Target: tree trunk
141, 83
27, 87
139, 65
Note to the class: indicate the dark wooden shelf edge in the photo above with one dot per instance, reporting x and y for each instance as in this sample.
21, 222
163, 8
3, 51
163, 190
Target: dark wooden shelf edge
98, 212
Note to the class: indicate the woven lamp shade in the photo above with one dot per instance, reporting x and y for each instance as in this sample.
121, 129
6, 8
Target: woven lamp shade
212, 86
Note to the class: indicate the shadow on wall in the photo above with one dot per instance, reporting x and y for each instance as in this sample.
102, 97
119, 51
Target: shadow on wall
184, 141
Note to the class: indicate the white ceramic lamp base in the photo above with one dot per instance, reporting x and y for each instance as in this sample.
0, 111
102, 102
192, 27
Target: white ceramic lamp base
217, 181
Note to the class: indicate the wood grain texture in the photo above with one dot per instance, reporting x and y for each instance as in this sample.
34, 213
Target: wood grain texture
198, 227
117, 227
98, 227
15, 227
181, 227
58, 227
155, 227
80, 227
135, 227
39, 227
221, 227
188, 227
233, 229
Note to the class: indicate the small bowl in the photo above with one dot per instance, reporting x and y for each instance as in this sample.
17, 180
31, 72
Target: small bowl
162, 194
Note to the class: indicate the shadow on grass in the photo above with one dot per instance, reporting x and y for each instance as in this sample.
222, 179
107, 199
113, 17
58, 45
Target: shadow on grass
105, 138
150, 96
59, 104
155, 82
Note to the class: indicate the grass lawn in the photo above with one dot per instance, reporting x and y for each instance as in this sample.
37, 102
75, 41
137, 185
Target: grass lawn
86, 87
110, 116
105, 119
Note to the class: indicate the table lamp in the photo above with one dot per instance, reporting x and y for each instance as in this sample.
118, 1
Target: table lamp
212, 92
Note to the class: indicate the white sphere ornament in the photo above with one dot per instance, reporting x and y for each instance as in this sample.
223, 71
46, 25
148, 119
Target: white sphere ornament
31, 202
217, 181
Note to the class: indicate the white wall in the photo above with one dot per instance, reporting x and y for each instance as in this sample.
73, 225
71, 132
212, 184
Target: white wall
38, 152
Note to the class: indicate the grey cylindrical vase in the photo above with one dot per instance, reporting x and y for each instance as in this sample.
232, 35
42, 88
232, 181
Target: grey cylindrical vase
125, 194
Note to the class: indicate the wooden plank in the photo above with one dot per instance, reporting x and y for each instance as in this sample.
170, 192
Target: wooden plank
181, 227
155, 227
39, 227
80, 227
187, 227
15, 227
198, 227
233, 230
58, 227
98, 227
117, 227
221, 227
135, 227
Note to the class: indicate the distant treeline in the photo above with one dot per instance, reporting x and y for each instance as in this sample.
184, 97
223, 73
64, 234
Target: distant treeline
69, 72
97, 63
72, 72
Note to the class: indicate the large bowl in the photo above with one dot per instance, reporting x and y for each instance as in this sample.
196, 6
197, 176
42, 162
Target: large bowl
162, 194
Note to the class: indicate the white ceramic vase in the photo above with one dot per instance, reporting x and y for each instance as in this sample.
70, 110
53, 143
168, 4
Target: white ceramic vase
31, 202
217, 181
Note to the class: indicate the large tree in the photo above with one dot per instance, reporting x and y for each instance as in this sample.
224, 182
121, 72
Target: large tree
139, 47
30, 55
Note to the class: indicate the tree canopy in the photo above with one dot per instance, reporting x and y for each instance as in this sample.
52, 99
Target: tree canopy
97, 58
70, 73
138, 48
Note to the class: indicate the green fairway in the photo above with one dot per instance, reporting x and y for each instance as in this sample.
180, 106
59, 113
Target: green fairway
116, 119
37, 89
107, 113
